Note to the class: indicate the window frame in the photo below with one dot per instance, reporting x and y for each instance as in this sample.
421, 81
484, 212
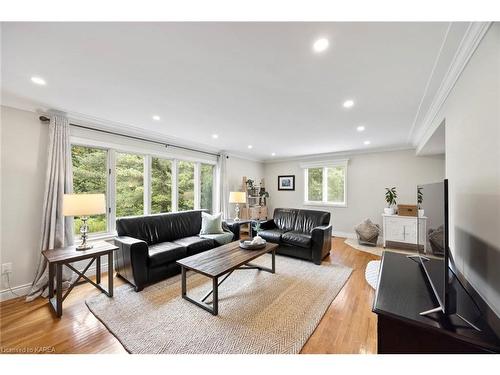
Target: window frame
325, 165
113, 148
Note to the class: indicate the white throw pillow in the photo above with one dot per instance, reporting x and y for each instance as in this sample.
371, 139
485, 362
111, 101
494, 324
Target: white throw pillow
211, 224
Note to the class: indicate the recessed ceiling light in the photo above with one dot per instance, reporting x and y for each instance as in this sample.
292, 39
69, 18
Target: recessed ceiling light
348, 103
156, 118
321, 45
367, 142
360, 128
215, 136
38, 80
250, 146
273, 154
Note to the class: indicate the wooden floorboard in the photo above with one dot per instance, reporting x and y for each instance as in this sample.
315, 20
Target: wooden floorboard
348, 326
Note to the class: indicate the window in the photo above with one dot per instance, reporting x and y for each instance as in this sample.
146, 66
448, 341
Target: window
206, 186
161, 185
129, 184
185, 183
336, 185
137, 183
325, 183
90, 176
315, 184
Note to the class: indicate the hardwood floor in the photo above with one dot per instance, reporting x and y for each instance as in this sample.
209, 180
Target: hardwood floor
348, 326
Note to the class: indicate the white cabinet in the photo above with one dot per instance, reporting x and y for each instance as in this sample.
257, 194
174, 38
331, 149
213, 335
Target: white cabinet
404, 229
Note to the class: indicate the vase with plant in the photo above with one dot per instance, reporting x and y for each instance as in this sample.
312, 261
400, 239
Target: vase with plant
420, 200
263, 196
390, 197
257, 229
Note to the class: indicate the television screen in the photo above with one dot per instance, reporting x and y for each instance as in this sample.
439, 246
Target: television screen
432, 201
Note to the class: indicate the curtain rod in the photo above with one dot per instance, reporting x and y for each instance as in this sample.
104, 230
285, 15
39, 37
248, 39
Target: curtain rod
167, 145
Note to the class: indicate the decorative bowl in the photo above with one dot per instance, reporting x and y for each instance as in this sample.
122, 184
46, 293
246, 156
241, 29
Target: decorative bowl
252, 247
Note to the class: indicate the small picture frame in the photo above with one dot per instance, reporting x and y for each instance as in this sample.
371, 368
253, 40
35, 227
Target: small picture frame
286, 183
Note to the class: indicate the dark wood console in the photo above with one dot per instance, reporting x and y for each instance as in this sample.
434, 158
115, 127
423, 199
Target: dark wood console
403, 292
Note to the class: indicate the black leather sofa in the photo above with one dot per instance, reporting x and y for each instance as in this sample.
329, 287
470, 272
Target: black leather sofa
149, 246
304, 234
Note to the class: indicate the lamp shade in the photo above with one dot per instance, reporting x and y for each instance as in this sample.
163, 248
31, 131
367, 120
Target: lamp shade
83, 204
237, 197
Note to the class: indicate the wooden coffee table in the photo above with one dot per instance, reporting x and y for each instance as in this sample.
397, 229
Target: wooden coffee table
222, 261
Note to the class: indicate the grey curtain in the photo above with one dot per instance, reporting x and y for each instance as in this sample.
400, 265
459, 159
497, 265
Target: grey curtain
57, 230
223, 185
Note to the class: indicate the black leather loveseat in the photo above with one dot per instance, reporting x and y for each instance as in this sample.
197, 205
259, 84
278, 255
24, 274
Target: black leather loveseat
304, 234
150, 245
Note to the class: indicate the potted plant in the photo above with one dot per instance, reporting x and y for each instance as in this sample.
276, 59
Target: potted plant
390, 197
263, 196
420, 200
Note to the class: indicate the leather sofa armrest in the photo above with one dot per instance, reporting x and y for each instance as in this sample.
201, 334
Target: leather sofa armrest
233, 227
264, 225
321, 242
131, 261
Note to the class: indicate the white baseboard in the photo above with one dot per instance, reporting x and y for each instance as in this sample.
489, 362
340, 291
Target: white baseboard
344, 234
22, 290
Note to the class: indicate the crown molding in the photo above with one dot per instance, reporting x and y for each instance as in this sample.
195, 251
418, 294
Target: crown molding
472, 37
107, 125
340, 154
242, 156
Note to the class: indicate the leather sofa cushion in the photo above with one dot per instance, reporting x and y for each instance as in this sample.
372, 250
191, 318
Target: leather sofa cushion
309, 219
160, 228
284, 218
297, 238
195, 244
165, 252
271, 235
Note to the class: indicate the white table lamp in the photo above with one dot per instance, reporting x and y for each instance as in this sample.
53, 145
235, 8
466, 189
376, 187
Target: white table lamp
237, 197
84, 205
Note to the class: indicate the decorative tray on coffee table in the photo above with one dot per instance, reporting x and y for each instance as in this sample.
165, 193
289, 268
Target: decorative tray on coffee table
252, 247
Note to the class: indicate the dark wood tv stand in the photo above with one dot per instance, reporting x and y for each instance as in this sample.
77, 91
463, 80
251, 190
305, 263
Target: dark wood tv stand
403, 292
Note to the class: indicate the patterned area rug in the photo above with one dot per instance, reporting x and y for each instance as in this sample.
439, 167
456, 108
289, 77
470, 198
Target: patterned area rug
259, 312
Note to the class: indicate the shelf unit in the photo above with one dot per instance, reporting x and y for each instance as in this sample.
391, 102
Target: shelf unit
255, 206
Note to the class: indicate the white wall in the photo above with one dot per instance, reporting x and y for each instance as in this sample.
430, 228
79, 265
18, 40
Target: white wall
238, 167
472, 117
23, 164
367, 177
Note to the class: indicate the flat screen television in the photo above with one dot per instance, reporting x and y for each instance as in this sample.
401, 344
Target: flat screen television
436, 259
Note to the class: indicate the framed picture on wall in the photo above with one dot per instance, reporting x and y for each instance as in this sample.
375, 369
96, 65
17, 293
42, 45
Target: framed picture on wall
286, 182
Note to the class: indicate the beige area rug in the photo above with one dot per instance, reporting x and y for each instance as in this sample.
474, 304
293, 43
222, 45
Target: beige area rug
259, 312
375, 250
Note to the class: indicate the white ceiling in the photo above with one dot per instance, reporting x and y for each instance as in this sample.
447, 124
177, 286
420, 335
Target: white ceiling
251, 83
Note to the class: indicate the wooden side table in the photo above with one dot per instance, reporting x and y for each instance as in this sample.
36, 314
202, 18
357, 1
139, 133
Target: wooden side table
57, 258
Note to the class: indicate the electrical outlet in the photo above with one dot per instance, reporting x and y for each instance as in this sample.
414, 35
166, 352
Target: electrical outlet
6, 268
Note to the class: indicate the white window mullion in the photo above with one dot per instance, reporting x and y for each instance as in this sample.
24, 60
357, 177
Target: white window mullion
175, 193
306, 185
215, 193
147, 185
197, 185
111, 191
325, 185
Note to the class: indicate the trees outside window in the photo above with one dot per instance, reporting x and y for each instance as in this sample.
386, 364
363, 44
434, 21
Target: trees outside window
90, 176
185, 185
161, 185
336, 185
315, 184
129, 184
326, 185
206, 186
